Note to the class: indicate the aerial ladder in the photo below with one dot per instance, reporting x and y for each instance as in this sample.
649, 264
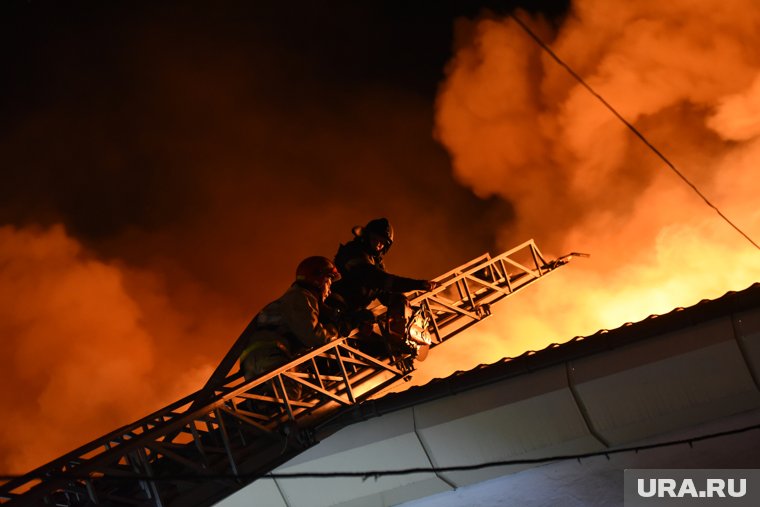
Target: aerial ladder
206, 446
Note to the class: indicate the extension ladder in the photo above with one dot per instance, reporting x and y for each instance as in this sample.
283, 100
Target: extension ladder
206, 446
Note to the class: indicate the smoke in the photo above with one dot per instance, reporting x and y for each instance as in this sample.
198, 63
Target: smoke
80, 355
166, 172
737, 117
518, 126
165, 169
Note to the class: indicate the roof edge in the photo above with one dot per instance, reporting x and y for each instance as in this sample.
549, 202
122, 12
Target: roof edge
603, 340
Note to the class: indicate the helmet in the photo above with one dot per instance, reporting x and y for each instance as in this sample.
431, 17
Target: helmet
379, 227
315, 270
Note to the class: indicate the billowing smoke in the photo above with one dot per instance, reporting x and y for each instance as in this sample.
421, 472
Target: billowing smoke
79, 348
164, 170
164, 173
518, 126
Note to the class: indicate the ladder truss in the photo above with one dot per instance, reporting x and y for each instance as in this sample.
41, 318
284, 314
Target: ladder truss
213, 442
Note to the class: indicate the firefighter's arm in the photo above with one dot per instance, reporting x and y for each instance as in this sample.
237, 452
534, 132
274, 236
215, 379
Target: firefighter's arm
376, 278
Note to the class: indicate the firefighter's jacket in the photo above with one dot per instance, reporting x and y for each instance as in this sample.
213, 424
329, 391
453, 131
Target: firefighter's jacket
364, 279
287, 326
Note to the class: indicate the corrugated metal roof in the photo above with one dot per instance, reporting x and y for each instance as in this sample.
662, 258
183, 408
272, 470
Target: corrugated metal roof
670, 372
577, 347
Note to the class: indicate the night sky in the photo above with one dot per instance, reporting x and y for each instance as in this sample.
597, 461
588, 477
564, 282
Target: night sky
167, 164
126, 119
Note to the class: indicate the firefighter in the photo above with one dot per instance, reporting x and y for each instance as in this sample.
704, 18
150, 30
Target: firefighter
291, 324
364, 279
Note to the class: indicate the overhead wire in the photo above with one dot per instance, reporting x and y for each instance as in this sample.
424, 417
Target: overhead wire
73, 475
368, 474
628, 124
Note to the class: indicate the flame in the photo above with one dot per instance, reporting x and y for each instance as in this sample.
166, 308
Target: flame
97, 343
518, 126
79, 337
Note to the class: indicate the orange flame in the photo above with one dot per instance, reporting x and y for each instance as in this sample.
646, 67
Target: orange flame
518, 126
79, 338
97, 344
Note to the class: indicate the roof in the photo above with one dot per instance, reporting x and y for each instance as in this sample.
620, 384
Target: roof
666, 373
680, 318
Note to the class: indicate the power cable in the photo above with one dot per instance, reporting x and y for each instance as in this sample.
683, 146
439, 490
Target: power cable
633, 129
387, 473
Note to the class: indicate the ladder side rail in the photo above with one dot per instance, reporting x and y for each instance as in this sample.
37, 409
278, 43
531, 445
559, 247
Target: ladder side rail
474, 268
436, 296
471, 274
150, 433
468, 294
539, 269
315, 397
498, 297
161, 416
108, 442
453, 272
116, 446
541, 262
329, 351
459, 274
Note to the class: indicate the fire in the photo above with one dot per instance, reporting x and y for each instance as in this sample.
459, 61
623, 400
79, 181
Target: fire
95, 344
82, 358
518, 126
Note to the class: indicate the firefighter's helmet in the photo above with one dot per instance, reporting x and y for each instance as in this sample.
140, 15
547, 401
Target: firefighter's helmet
316, 270
380, 228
